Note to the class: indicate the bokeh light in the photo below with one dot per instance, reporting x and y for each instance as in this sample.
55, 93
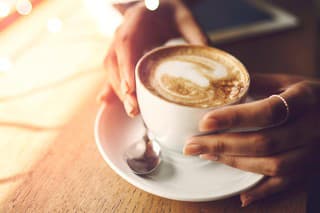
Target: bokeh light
105, 16
5, 64
23, 7
4, 9
152, 4
54, 25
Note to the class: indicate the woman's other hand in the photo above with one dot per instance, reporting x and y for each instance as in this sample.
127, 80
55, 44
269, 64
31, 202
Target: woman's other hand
141, 31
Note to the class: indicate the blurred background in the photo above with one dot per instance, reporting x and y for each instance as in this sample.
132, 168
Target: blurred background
41, 38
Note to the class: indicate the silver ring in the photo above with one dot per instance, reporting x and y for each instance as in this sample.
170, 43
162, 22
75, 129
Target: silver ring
286, 106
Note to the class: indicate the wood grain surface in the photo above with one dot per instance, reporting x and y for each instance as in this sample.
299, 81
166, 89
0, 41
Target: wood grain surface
48, 158
71, 176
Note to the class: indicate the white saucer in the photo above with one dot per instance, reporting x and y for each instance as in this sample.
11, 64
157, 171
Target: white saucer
178, 177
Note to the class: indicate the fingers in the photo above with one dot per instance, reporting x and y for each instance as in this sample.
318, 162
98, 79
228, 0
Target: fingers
128, 53
190, 29
250, 164
268, 186
130, 46
260, 143
264, 142
263, 113
113, 77
131, 105
239, 144
291, 162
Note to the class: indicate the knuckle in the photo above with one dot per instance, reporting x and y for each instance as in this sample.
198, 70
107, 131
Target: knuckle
232, 162
275, 167
217, 146
235, 118
272, 116
263, 144
303, 86
124, 40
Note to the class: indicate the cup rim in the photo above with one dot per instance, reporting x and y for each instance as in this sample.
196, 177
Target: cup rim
157, 49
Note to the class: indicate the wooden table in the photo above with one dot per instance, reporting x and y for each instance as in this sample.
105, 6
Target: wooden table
48, 158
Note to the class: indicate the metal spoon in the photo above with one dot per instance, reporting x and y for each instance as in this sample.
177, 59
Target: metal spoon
144, 156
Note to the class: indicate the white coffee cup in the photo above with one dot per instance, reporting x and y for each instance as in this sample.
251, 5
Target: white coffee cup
172, 124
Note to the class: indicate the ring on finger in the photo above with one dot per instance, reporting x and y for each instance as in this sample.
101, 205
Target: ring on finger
286, 105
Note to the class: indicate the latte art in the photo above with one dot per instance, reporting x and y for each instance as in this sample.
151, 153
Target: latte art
193, 79
177, 85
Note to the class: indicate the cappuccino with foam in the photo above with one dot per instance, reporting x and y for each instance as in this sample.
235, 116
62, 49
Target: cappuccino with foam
177, 85
195, 76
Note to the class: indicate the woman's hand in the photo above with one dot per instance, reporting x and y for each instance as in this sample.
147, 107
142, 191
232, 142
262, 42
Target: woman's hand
285, 153
141, 31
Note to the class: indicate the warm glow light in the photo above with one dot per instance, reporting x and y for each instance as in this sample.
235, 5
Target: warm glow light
24, 7
54, 25
151, 4
4, 9
5, 65
106, 17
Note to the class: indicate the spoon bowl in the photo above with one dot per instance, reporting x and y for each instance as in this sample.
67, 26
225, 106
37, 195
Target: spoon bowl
144, 156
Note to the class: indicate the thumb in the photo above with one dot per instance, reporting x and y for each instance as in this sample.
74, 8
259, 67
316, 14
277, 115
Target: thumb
190, 29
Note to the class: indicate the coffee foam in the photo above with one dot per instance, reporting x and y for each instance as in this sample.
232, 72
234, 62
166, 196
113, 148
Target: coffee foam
198, 70
181, 69
195, 79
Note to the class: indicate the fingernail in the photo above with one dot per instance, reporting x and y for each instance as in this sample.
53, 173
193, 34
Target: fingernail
211, 124
192, 149
247, 201
124, 87
209, 157
128, 107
